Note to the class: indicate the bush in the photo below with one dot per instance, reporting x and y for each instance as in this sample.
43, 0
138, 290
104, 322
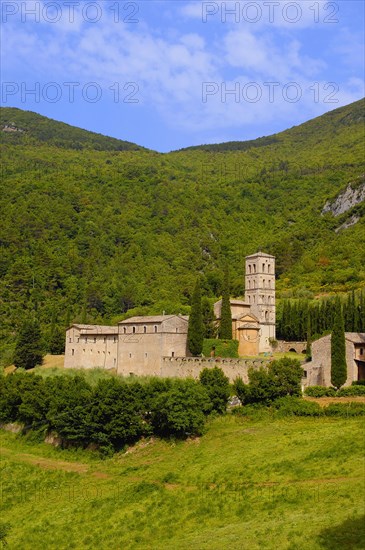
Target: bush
358, 383
180, 411
217, 385
345, 409
351, 391
296, 406
241, 390
116, 413
223, 348
69, 409
281, 378
320, 391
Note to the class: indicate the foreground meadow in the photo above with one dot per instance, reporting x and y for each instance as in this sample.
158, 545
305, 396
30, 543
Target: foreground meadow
288, 483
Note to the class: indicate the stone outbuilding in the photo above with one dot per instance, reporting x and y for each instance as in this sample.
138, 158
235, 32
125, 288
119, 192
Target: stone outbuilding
318, 370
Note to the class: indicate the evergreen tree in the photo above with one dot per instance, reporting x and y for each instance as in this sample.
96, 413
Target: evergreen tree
338, 349
208, 318
29, 347
309, 339
196, 328
56, 344
225, 328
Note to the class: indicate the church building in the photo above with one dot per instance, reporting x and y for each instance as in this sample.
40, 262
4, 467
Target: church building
139, 345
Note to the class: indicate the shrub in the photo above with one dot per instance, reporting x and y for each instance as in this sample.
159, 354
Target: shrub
358, 383
296, 406
69, 409
180, 411
351, 391
345, 409
217, 386
281, 378
320, 391
241, 390
116, 413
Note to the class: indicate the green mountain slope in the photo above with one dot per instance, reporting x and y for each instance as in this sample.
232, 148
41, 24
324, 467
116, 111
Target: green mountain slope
88, 234
26, 128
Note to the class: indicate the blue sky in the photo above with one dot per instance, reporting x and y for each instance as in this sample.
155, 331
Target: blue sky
169, 74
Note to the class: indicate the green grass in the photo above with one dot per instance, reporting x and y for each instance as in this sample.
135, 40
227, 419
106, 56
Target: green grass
246, 484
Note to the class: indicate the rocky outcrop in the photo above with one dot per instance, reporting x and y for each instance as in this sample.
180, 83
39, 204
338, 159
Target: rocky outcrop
346, 200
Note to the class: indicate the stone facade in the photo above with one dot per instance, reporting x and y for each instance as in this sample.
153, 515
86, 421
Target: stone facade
318, 370
145, 345
190, 367
260, 295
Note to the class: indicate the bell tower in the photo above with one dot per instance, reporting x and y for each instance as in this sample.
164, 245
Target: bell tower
260, 294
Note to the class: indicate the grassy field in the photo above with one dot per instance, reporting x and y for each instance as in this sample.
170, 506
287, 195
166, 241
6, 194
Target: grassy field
293, 483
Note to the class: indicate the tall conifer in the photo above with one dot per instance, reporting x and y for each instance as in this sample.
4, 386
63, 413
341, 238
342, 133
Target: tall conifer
196, 328
338, 349
225, 328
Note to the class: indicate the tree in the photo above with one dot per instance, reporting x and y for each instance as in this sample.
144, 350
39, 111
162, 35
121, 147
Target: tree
208, 318
225, 328
217, 386
338, 349
196, 328
281, 378
29, 347
56, 344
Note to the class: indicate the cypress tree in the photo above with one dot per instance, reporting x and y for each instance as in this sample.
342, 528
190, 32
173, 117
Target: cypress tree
338, 349
309, 338
196, 328
225, 328
29, 347
208, 318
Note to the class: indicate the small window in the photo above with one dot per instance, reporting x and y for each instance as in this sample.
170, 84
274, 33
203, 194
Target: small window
145, 355
104, 339
73, 352
263, 268
155, 327
268, 268
172, 354
249, 269
305, 374
361, 351
254, 268
86, 340
144, 330
124, 330
177, 330
83, 350
70, 340
134, 330
130, 356
114, 339
94, 340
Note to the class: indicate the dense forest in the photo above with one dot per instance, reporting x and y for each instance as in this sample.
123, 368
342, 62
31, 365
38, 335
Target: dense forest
94, 229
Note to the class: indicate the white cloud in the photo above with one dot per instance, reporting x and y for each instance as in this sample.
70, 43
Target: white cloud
171, 67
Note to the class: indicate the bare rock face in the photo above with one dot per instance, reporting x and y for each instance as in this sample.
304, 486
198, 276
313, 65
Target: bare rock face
345, 200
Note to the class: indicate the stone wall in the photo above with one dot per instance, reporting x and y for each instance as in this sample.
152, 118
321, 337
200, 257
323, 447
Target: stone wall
285, 347
183, 367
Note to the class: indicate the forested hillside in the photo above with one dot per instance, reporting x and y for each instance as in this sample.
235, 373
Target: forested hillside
92, 227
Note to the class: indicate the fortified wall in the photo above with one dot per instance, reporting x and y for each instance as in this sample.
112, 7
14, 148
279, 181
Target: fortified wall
191, 367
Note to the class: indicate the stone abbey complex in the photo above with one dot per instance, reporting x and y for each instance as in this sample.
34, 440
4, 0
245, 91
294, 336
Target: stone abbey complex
157, 345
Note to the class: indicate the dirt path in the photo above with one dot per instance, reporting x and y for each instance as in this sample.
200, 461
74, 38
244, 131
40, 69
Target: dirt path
51, 464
